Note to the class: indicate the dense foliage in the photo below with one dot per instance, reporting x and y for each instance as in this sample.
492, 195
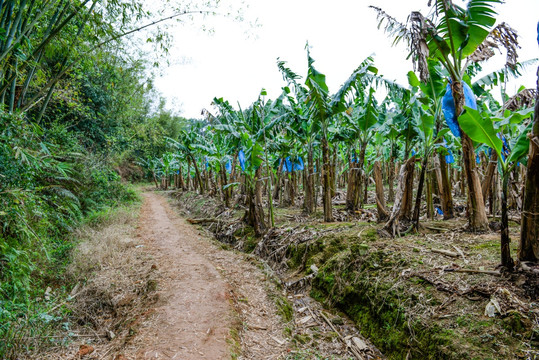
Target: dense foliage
77, 108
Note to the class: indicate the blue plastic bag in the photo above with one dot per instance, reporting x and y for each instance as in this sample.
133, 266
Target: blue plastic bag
299, 165
448, 107
289, 166
439, 211
228, 167
241, 157
449, 159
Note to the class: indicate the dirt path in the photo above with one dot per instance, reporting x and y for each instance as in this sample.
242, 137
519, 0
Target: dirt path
212, 302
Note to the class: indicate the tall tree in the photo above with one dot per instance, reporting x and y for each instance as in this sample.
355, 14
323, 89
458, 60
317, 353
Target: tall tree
529, 233
453, 35
322, 109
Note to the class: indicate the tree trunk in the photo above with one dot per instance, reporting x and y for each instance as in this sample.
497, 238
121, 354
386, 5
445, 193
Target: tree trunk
254, 215
447, 196
391, 228
188, 180
380, 198
326, 182
309, 183
317, 180
430, 205
477, 219
406, 203
355, 181
486, 186
529, 235
198, 177
352, 186
292, 187
391, 180
507, 261
225, 192
417, 206
181, 182
277, 190
333, 173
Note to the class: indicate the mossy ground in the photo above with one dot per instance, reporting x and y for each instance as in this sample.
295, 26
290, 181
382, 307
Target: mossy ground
398, 292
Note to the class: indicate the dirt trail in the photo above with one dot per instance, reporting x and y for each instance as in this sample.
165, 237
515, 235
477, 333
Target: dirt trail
212, 302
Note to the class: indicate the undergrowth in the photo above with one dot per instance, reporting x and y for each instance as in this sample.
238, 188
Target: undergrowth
49, 186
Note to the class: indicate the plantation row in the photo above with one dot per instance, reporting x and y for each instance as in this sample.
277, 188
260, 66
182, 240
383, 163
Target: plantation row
444, 134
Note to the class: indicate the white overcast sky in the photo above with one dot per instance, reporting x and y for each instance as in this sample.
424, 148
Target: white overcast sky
235, 62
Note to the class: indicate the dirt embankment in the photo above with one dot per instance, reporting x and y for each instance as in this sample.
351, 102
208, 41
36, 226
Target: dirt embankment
435, 295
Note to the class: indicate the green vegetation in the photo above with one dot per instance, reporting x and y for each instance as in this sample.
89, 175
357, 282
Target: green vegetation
75, 115
79, 116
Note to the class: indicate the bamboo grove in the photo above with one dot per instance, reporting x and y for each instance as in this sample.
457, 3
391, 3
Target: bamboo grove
440, 147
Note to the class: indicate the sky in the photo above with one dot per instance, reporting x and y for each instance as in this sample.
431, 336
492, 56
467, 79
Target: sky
235, 60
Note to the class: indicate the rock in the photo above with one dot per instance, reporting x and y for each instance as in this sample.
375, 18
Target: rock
85, 350
359, 343
47, 294
492, 308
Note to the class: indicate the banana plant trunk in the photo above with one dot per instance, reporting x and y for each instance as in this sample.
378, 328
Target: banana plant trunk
254, 215
198, 177
380, 198
326, 182
355, 180
155, 179
225, 192
417, 206
309, 183
408, 193
291, 188
447, 191
333, 172
352, 189
391, 179
477, 215
529, 234
486, 186
507, 261
277, 189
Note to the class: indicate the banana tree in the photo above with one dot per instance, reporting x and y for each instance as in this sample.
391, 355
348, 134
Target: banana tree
529, 234
482, 128
186, 145
454, 36
168, 161
251, 127
301, 130
362, 119
322, 108
430, 140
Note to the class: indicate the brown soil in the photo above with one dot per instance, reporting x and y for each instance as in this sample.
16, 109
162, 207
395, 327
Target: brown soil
193, 317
